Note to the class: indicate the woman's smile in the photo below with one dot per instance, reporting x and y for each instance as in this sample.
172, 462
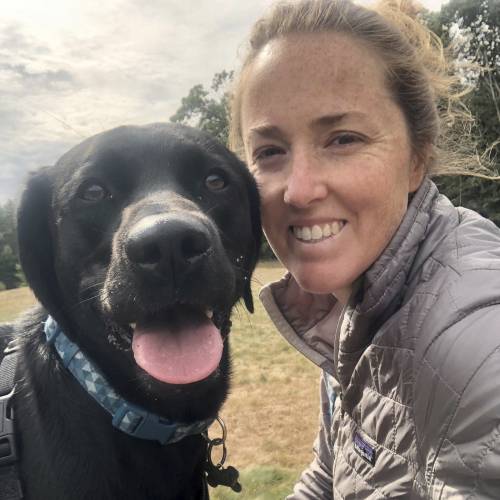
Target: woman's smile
318, 242
317, 232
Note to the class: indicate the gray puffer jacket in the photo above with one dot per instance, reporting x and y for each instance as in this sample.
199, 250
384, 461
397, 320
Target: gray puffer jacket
414, 359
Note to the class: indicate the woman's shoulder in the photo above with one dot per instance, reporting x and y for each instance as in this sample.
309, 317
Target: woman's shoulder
457, 292
458, 262
455, 300
461, 238
456, 306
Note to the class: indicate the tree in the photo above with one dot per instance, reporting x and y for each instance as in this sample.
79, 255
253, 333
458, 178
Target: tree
472, 28
8, 232
9, 269
207, 110
9, 261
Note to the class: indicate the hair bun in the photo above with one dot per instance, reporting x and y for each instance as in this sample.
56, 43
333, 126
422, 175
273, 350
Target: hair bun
411, 8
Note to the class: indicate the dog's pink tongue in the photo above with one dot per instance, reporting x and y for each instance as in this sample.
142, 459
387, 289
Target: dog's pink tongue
178, 357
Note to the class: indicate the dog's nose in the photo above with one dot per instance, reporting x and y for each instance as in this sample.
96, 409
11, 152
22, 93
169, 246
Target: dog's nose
160, 244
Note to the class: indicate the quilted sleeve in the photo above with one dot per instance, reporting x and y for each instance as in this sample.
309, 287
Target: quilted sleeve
316, 481
468, 464
459, 416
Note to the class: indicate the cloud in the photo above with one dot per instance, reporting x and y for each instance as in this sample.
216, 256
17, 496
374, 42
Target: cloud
77, 68
49, 79
83, 67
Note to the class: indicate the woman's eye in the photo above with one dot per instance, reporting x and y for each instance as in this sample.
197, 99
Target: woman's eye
345, 140
215, 182
268, 152
93, 192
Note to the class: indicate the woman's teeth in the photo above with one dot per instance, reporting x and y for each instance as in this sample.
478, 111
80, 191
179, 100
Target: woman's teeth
318, 232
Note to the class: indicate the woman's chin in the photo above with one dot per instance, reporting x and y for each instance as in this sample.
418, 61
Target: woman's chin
320, 280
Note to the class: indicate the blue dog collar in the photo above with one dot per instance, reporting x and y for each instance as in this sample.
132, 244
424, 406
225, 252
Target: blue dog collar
127, 417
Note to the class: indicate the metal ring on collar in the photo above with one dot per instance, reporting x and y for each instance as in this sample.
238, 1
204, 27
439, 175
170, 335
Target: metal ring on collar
221, 441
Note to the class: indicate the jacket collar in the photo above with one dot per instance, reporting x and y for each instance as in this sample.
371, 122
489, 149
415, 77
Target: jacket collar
127, 417
385, 281
377, 295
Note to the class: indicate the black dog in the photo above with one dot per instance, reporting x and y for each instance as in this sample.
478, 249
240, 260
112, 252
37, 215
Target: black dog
137, 243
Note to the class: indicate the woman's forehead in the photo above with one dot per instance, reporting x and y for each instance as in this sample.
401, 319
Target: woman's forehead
336, 54
321, 74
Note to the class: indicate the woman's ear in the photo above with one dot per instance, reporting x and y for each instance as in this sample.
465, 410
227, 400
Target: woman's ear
419, 163
35, 238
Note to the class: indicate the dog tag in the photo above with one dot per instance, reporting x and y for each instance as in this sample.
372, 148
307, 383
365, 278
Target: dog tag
223, 476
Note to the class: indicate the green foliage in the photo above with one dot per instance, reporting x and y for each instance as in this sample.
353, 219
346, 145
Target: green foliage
207, 110
10, 275
473, 27
477, 194
9, 269
8, 235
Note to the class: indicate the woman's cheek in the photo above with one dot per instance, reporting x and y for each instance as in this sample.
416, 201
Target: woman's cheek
269, 186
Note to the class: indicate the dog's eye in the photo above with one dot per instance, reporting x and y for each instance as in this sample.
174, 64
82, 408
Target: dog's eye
93, 192
215, 182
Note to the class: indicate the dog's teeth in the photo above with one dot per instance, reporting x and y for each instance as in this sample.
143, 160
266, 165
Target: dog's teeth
209, 313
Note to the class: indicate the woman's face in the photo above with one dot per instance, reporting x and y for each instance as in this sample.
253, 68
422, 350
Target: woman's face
330, 150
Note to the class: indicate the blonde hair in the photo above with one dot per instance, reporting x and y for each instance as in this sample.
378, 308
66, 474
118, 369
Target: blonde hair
418, 72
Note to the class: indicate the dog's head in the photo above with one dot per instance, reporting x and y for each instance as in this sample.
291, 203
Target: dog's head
139, 242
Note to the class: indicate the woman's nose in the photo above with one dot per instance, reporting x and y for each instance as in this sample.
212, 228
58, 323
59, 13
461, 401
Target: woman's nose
304, 183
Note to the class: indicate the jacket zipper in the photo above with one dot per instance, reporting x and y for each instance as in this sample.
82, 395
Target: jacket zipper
336, 342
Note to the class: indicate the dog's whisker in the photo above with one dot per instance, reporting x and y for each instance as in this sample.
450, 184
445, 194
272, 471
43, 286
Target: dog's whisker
92, 286
84, 301
240, 310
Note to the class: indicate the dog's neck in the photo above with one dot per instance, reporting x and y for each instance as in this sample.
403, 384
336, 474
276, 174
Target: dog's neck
127, 417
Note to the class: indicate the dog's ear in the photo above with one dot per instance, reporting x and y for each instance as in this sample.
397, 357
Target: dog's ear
247, 296
254, 199
34, 232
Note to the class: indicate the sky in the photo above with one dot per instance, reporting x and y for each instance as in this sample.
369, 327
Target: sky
70, 69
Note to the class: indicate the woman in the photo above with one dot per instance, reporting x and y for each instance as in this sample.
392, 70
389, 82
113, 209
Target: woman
392, 291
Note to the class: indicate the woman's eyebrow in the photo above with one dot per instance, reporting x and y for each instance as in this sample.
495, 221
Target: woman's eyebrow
322, 122
335, 119
272, 131
267, 131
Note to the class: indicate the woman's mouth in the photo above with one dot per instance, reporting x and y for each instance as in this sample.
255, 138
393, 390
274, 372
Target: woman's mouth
317, 232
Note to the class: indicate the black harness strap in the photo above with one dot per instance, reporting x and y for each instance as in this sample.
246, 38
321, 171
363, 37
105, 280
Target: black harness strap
6, 333
8, 370
10, 484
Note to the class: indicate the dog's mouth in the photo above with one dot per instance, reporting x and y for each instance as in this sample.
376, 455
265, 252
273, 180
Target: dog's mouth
181, 346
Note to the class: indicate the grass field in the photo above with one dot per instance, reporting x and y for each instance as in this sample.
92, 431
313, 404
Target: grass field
271, 414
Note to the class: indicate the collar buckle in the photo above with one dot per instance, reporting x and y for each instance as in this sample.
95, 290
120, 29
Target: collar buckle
139, 423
